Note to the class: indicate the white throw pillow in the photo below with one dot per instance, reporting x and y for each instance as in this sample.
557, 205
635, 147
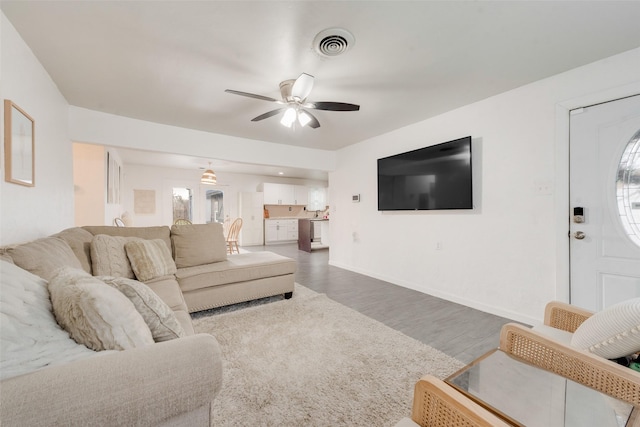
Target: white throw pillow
156, 313
94, 313
611, 333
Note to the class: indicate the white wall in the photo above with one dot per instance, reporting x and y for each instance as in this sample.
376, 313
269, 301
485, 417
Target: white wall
30, 212
89, 183
163, 179
509, 256
106, 129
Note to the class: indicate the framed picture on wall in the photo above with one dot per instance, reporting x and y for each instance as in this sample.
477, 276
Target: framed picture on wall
19, 145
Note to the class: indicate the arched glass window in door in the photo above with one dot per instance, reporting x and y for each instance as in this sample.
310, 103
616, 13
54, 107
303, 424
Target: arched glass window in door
628, 188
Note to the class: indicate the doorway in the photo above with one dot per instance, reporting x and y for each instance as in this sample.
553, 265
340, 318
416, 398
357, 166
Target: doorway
214, 206
604, 188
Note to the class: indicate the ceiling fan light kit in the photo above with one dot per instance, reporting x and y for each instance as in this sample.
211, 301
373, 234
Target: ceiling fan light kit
294, 98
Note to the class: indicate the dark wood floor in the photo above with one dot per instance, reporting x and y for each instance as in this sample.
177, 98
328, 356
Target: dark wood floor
459, 331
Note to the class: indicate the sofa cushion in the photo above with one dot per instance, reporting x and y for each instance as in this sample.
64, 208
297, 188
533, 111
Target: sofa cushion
79, 240
147, 233
198, 244
156, 313
109, 258
44, 256
30, 337
237, 268
150, 259
96, 314
611, 333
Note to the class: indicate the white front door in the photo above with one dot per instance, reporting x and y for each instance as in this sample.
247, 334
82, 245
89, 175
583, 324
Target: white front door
605, 196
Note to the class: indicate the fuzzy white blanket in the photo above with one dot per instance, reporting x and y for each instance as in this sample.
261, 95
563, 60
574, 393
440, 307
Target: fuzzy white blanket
30, 337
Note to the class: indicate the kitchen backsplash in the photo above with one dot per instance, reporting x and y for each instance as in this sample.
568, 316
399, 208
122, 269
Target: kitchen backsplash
282, 211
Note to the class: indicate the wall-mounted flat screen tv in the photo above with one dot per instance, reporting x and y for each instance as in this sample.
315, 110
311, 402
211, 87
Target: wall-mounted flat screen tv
430, 178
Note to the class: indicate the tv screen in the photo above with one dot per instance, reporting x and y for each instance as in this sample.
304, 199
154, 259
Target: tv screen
430, 178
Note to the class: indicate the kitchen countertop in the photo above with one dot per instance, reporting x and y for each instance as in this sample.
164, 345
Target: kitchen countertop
297, 217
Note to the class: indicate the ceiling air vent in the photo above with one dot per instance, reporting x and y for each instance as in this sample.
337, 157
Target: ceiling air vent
333, 41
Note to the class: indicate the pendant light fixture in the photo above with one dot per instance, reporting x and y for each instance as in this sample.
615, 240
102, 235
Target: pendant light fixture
209, 177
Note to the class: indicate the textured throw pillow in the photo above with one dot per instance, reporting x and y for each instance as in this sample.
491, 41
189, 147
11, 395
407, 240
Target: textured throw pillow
611, 333
109, 258
150, 259
156, 313
94, 313
198, 244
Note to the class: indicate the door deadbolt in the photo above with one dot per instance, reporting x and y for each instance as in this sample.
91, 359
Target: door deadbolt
579, 235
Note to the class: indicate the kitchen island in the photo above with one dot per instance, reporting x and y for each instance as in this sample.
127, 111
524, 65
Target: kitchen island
313, 234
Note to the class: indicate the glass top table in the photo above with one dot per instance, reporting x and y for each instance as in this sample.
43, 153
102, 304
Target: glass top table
525, 395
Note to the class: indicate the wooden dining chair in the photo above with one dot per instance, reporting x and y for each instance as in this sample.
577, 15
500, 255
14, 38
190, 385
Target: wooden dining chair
232, 236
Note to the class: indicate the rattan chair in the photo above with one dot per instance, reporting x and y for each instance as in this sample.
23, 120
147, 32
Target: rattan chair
232, 236
182, 221
437, 404
577, 365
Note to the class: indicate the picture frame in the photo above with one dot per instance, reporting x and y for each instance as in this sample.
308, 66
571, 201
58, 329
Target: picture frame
19, 145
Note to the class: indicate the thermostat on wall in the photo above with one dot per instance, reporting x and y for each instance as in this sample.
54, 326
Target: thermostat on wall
355, 198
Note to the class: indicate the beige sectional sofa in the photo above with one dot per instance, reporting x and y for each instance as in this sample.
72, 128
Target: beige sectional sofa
49, 379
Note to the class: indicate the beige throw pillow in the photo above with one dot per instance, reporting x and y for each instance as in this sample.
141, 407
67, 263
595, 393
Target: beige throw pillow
109, 258
94, 313
611, 333
44, 256
150, 259
156, 313
198, 244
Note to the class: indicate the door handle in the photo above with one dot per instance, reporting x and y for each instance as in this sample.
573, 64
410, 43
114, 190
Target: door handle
579, 235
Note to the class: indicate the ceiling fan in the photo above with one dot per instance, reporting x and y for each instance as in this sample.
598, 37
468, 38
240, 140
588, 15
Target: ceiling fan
295, 105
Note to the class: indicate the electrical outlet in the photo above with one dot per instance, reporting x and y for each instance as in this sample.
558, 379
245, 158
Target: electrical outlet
438, 246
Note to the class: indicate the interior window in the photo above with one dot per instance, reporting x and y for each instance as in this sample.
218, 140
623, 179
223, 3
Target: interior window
628, 188
214, 206
182, 204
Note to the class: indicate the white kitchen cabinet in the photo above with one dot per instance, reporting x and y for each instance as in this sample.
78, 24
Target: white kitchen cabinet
285, 194
251, 208
280, 230
317, 199
300, 195
278, 194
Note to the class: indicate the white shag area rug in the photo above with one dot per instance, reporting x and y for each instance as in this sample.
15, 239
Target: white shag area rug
310, 361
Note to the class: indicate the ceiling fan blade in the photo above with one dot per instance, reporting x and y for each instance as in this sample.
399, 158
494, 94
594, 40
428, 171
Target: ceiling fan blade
332, 106
251, 95
302, 87
314, 123
268, 114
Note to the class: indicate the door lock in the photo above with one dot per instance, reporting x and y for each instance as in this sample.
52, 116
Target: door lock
579, 235
578, 215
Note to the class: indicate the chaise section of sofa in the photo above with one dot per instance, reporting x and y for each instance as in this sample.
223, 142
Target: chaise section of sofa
210, 278
239, 278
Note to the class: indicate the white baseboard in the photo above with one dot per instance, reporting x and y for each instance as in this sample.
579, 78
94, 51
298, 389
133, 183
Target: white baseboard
497, 311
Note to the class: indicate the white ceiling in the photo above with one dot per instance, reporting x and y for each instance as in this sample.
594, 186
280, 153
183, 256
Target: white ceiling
170, 61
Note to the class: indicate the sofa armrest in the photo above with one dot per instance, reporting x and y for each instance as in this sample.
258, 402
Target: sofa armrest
564, 316
575, 364
436, 403
142, 386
